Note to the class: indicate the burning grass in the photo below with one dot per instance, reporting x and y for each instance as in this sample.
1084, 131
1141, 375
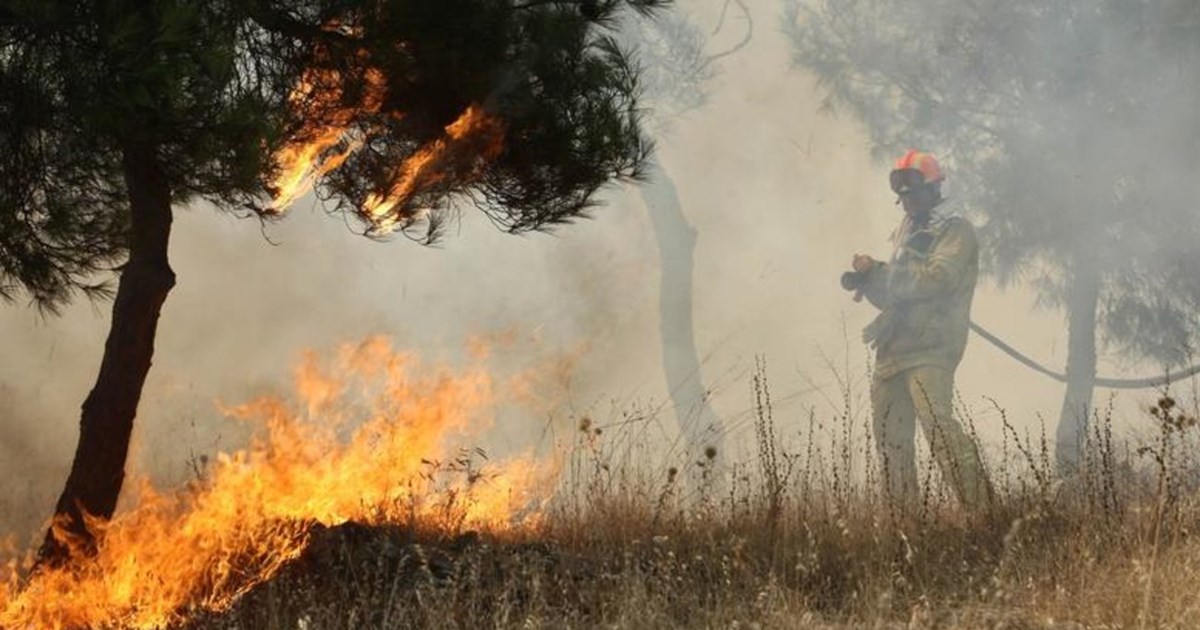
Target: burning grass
321, 535
370, 439
796, 540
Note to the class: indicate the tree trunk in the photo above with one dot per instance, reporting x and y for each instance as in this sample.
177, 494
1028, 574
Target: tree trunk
698, 424
98, 469
1083, 299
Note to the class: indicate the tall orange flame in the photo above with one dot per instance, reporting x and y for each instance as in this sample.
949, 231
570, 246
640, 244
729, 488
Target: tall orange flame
357, 446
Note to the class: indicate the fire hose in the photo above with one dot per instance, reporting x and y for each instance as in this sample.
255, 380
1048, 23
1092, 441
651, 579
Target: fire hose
1100, 381
851, 281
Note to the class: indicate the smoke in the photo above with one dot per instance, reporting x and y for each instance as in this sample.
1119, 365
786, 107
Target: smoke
781, 194
249, 300
1071, 127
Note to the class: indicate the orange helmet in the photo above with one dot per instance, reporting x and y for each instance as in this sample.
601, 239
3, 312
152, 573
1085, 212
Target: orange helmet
915, 168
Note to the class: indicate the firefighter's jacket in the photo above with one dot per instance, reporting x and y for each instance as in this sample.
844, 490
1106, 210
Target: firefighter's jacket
924, 295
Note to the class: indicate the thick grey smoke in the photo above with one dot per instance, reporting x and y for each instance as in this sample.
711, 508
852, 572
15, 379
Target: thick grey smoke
781, 195
1072, 128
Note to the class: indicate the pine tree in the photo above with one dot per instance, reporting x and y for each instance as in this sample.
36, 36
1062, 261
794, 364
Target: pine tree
115, 112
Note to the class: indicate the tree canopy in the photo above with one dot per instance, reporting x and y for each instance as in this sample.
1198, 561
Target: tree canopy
222, 90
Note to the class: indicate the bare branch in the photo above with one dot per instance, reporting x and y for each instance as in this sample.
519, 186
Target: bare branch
745, 41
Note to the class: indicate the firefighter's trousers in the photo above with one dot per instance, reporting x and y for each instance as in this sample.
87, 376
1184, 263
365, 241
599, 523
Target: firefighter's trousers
924, 395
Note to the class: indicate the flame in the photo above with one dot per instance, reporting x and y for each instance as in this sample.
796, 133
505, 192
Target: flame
474, 133
330, 138
360, 444
334, 130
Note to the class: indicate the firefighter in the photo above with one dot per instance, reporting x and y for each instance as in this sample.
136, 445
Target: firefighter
924, 295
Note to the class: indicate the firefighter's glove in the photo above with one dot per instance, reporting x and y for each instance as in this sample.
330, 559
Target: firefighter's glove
853, 280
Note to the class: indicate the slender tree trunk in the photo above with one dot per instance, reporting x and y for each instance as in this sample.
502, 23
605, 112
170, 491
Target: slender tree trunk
698, 424
1083, 300
98, 469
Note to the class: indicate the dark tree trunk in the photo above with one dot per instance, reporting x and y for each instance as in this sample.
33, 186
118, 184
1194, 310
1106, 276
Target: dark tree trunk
98, 469
698, 424
1083, 299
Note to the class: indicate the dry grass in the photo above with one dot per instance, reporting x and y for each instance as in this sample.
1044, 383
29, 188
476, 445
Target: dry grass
793, 540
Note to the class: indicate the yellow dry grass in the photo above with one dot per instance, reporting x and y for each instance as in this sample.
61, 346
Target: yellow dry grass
802, 540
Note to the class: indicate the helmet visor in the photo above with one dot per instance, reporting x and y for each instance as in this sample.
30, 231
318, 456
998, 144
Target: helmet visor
905, 180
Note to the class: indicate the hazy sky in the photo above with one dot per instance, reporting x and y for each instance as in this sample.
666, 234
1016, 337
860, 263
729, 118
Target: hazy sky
781, 195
